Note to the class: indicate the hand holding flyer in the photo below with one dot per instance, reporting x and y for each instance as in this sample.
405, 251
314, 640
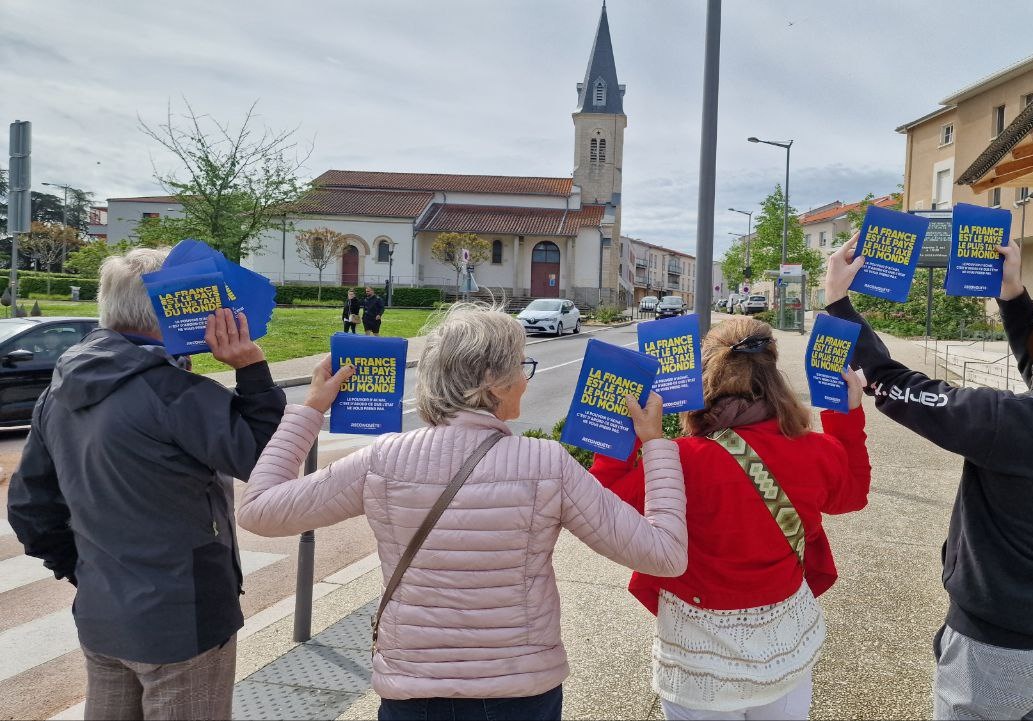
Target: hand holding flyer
890, 242
675, 343
598, 419
370, 400
183, 305
828, 355
975, 267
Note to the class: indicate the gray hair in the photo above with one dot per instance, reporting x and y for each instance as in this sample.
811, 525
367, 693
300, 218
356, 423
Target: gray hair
473, 347
123, 300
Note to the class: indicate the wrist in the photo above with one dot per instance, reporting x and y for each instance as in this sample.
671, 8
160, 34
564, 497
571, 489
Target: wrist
1011, 292
831, 296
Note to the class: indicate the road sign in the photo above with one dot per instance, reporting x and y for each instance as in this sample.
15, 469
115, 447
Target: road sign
790, 269
937, 245
19, 210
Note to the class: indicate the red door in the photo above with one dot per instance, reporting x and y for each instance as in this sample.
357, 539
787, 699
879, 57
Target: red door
545, 270
350, 266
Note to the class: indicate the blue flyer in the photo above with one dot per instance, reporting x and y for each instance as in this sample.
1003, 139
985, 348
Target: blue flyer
183, 304
828, 354
890, 242
975, 267
370, 402
598, 418
675, 343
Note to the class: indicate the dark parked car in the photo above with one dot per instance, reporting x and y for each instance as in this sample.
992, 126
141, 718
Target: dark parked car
670, 306
29, 349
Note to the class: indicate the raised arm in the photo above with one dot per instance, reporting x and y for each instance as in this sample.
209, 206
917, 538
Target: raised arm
1017, 311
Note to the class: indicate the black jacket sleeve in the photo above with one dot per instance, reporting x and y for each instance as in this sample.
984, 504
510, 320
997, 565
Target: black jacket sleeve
1017, 316
988, 427
36, 509
227, 430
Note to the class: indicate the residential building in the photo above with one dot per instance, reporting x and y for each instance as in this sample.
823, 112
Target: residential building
124, 214
98, 222
942, 144
825, 225
549, 236
661, 271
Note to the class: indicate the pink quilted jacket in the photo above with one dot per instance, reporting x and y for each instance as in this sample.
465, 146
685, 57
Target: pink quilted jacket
477, 615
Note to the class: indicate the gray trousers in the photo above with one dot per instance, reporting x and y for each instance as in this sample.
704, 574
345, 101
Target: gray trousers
978, 681
198, 688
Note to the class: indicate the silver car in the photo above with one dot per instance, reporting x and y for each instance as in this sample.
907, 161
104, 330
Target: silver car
550, 315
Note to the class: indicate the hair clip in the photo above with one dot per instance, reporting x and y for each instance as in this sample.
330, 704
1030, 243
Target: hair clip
752, 344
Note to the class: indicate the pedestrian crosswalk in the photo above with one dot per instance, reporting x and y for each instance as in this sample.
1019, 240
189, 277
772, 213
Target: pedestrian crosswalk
45, 638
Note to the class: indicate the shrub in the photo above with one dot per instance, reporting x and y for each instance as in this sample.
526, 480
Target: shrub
609, 313
580, 455
31, 283
335, 295
767, 316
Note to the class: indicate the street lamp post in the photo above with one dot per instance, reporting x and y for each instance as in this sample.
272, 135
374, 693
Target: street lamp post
787, 144
390, 272
748, 270
64, 220
1024, 202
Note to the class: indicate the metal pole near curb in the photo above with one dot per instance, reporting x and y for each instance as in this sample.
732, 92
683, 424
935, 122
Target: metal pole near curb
708, 166
306, 568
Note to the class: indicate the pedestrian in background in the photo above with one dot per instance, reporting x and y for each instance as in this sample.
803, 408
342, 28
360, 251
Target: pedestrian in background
471, 625
125, 489
372, 312
738, 634
984, 650
350, 314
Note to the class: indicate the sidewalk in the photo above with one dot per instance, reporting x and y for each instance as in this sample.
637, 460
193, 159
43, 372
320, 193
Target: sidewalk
882, 614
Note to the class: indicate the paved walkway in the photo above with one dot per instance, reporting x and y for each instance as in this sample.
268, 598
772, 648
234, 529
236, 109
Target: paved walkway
882, 614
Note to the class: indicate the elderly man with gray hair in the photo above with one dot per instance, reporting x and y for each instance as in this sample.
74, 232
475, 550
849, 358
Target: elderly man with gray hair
126, 490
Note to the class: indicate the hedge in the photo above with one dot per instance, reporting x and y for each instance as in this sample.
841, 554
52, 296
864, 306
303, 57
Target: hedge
33, 282
405, 297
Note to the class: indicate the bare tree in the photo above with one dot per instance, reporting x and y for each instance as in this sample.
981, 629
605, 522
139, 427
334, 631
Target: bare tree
47, 242
233, 183
319, 248
448, 249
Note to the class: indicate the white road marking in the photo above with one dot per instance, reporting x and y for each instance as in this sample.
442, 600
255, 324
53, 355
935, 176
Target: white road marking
5, 528
251, 561
20, 571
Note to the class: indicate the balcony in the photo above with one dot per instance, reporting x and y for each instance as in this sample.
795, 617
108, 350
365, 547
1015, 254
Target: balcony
640, 263
674, 267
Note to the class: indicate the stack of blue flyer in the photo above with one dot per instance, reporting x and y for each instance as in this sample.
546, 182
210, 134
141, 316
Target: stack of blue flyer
828, 356
675, 343
598, 418
975, 267
370, 402
890, 242
193, 283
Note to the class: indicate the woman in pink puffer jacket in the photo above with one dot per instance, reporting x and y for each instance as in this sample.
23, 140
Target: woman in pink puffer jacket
473, 630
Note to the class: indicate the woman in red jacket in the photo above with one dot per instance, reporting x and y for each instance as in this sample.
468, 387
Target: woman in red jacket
739, 632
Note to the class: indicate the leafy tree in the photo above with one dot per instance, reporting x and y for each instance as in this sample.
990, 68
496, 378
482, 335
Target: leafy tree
448, 248
48, 242
233, 183
87, 260
46, 208
856, 215
319, 248
766, 245
949, 313
164, 232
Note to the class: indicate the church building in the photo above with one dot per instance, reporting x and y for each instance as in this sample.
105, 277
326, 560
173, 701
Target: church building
549, 237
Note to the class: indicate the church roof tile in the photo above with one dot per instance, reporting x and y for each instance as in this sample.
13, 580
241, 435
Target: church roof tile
447, 182
384, 204
490, 219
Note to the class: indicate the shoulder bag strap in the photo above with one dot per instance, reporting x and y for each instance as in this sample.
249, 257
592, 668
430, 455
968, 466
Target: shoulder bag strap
428, 524
777, 502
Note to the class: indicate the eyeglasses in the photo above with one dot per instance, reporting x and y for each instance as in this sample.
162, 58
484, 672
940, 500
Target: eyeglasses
529, 366
752, 344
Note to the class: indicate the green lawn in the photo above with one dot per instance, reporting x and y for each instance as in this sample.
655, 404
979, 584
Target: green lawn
293, 332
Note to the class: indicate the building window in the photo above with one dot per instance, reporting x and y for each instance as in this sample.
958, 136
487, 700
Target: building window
947, 134
995, 198
383, 251
807, 239
1022, 193
545, 252
496, 252
593, 151
1027, 100
998, 118
599, 96
150, 215
602, 150
822, 240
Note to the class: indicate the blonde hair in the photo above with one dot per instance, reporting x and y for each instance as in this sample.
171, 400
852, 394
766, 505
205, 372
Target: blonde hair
471, 348
753, 376
122, 299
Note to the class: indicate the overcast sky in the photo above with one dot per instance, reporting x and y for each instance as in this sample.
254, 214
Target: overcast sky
488, 86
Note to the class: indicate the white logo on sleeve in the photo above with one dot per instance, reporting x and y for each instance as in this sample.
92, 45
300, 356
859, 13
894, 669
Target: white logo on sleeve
933, 400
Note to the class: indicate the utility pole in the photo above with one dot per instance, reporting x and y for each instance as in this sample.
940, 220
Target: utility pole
708, 166
19, 198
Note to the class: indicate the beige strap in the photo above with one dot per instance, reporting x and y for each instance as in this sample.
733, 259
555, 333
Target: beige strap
777, 502
428, 524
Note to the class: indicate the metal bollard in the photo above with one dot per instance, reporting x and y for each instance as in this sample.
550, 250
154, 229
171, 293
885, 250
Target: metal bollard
306, 568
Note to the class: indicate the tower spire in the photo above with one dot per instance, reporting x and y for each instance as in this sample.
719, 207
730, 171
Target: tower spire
601, 92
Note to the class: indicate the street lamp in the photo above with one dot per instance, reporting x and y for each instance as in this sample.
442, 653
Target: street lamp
787, 144
390, 268
1024, 202
64, 220
748, 270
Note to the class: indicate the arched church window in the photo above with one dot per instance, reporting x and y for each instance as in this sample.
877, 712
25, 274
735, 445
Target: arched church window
545, 252
496, 252
383, 251
599, 97
593, 151
602, 150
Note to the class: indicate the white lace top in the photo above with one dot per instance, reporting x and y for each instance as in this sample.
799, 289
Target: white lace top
730, 660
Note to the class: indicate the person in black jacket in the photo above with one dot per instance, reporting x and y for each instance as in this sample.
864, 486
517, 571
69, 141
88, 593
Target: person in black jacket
372, 312
984, 651
350, 314
125, 489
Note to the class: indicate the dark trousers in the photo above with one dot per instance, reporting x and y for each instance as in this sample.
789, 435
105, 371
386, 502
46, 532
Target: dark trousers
349, 327
544, 707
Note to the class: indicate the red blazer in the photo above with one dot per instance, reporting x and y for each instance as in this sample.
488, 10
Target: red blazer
738, 557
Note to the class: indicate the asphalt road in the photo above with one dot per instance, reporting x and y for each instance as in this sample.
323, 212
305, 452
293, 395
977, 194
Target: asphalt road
41, 670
